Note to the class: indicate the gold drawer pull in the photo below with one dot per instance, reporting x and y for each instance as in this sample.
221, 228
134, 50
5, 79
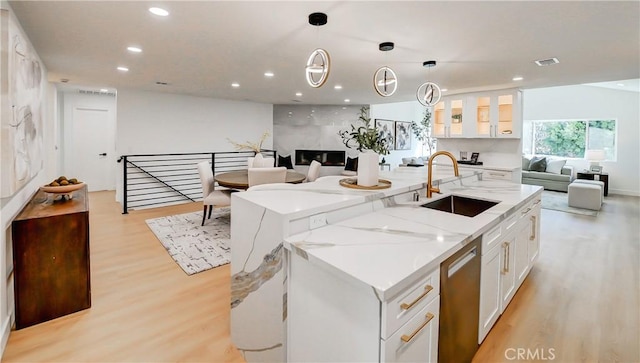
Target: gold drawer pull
407, 338
405, 306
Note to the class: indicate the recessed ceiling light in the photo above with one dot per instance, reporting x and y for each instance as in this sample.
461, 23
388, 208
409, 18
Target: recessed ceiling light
620, 84
235, 84
347, 100
268, 74
444, 90
158, 11
134, 49
123, 69
104, 90
337, 86
298, 94
518, 78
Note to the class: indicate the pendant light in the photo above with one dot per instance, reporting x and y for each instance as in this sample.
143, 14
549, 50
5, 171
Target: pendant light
428, 94
385, 81
319, 62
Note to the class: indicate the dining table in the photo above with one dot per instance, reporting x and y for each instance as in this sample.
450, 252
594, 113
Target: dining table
240, 179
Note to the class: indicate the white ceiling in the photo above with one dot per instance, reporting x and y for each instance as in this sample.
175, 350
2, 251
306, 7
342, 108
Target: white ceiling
204, 46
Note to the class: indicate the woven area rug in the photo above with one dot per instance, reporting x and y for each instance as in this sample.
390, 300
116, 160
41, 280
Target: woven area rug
195, 248
560, 201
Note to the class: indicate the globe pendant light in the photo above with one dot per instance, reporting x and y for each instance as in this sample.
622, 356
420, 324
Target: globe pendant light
428, 94
319, 62
385, 81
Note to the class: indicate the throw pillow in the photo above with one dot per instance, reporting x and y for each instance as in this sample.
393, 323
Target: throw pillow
538, 163
525, 163
555, 165
352, 164
406, 161
285, 161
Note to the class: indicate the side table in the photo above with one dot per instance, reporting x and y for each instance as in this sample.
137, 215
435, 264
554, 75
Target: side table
382, 165
603, 177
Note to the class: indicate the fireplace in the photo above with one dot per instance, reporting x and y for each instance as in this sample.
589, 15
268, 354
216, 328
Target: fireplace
325, 157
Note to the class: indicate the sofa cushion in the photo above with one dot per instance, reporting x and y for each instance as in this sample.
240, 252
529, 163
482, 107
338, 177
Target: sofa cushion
525, 163
545, 176
555, 165
285, 161
538, 163
352, 164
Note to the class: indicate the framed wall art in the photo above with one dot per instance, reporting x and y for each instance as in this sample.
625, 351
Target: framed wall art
387, 130
403, 135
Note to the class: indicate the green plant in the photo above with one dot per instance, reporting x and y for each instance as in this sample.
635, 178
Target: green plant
365, 137
422, 131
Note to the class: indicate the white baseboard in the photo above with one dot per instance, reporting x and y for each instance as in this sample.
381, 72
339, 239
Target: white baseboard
630, 193
6, 330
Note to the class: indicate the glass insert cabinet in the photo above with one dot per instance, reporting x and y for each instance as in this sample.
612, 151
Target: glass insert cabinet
491, 114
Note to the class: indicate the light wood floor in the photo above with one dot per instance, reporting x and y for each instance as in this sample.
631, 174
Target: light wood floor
581, 298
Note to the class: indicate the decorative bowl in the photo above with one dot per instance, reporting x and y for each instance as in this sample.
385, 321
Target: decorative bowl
62, 189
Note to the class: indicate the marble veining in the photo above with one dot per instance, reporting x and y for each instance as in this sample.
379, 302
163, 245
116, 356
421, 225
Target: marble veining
243, 283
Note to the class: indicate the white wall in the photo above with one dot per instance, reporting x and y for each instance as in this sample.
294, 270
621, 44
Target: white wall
400, 111
11, 206
589, 102
154, 122
316, 127
312, 127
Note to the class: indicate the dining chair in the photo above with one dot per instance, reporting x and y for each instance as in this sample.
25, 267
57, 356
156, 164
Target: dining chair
210, 196
257, 176
314, 171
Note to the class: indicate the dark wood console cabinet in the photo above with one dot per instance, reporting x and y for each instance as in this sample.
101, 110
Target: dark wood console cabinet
51, 258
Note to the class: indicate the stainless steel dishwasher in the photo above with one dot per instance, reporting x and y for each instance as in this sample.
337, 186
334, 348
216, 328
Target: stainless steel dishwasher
460, 304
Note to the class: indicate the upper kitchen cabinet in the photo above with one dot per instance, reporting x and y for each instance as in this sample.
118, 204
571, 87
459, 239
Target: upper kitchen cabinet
448, 120
490, 114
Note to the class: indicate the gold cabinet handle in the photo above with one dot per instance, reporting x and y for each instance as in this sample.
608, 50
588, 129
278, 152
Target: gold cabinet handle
407, 338
533, 228
505, 263
405, 306
526, 211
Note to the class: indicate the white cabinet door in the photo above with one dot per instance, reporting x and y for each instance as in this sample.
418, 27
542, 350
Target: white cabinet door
417, 340
489, 291
508, 272
521, 250
534, 238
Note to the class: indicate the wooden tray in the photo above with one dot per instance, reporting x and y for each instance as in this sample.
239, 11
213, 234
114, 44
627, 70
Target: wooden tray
353, 184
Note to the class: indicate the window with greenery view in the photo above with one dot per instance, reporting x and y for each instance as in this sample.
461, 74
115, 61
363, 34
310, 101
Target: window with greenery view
569, 138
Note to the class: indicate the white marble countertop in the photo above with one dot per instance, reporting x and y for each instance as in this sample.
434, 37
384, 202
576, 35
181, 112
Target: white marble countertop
325, 194
479, 167
388, 249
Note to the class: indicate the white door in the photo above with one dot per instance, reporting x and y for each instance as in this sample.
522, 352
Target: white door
90, 153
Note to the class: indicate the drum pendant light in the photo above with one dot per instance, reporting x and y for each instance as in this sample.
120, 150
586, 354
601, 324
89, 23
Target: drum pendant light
385, 81
428, 94
319, 62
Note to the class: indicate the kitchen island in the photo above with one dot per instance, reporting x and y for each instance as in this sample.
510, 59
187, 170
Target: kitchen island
374, 244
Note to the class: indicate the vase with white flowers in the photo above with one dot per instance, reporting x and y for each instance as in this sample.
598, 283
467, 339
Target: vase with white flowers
370, 142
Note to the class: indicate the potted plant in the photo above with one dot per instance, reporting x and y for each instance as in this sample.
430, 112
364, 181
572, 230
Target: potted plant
367, 139
422, 132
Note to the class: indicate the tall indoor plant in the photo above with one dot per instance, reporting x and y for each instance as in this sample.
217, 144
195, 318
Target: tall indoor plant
367, 139
422, 132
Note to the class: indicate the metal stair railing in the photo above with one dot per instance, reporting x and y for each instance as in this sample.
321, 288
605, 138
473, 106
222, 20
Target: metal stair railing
155, 180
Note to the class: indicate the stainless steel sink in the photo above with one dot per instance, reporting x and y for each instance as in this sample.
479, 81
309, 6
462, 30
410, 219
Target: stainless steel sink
455, 204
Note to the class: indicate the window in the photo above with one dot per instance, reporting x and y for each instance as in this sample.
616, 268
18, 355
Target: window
569, 138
